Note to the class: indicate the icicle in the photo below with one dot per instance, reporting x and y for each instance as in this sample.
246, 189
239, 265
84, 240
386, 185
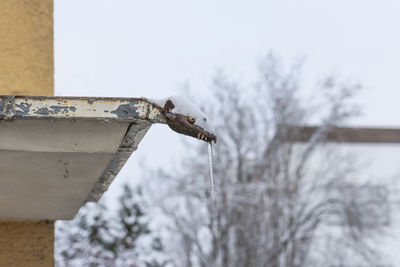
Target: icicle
210, 160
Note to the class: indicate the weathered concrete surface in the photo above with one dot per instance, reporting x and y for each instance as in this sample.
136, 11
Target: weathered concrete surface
26, 47
26, 243
47, 185
48, 168
61, 136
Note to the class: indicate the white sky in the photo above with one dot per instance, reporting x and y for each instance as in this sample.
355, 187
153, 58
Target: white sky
151, 48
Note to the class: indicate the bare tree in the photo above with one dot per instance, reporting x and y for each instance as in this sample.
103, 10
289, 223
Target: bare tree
277, 203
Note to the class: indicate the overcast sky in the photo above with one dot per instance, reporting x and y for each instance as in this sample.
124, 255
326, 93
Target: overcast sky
151, 48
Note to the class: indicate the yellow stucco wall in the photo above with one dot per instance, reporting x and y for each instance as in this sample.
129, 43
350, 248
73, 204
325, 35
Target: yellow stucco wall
26, 47
26, 243
26, 68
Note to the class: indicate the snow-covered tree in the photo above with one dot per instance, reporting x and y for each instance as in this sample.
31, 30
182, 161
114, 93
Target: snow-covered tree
99, 237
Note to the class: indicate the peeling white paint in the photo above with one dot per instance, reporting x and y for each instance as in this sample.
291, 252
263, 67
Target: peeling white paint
141, 108
153, 113
86, 108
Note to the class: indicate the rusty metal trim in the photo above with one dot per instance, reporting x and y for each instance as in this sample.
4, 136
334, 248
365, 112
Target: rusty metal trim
99, 108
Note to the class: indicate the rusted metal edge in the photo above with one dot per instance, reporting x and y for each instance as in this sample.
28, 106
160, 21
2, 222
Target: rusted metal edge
346, 134
100, 108
129, 143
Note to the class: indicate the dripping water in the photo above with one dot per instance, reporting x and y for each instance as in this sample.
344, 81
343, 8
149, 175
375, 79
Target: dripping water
210, 163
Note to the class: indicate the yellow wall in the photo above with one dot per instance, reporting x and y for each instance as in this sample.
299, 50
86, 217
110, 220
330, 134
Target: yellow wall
26, 68
26, 244
26, 47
